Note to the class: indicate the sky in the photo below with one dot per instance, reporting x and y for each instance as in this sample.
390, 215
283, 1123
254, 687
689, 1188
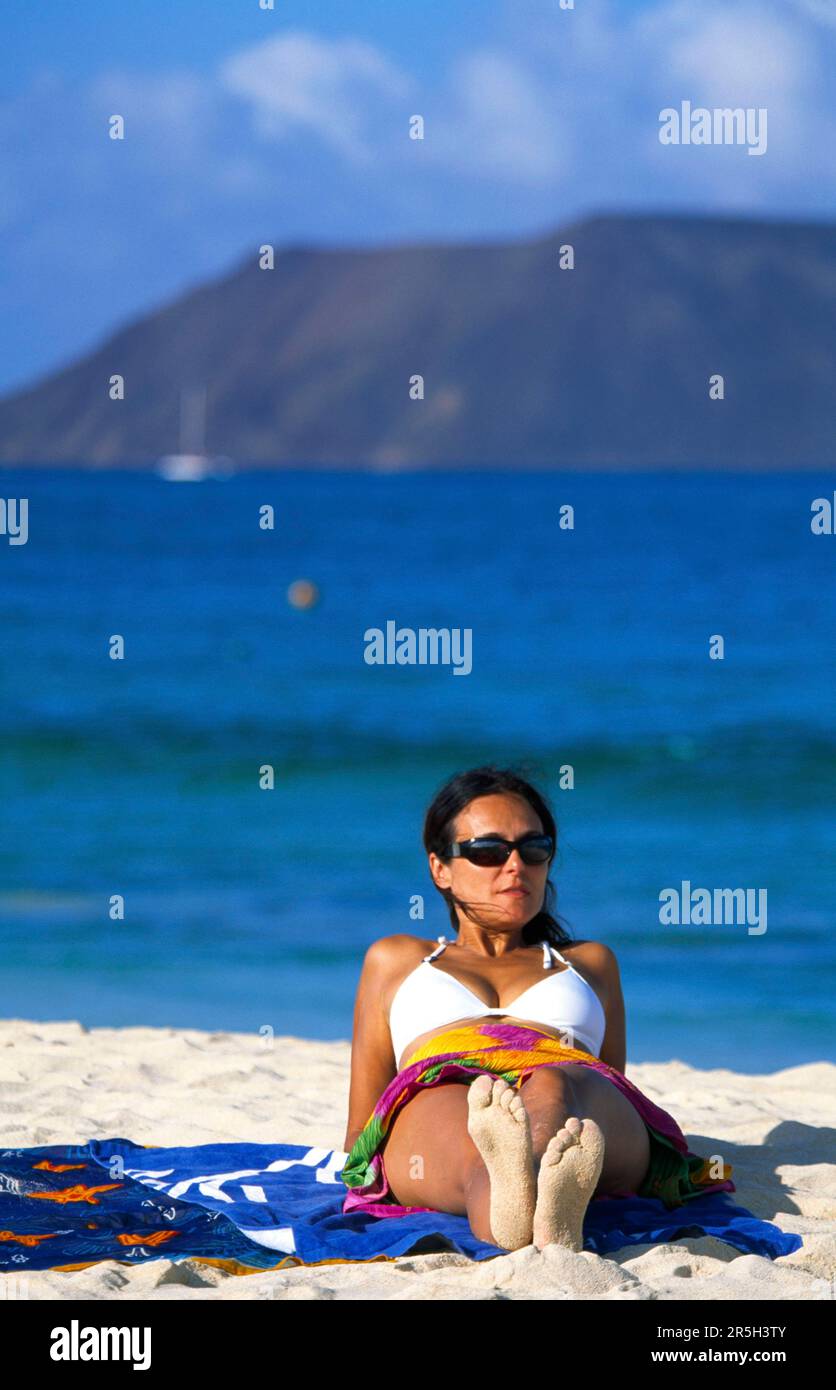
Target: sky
290, 125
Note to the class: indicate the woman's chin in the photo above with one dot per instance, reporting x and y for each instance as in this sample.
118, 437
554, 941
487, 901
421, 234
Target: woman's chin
517, 909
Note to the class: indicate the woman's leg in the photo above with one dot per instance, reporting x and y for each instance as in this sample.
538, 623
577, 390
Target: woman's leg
551, 1094
431, 1160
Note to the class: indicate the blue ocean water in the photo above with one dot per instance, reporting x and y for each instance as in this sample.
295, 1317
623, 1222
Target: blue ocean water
248, 908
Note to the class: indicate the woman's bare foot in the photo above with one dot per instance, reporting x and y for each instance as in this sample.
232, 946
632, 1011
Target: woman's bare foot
497, 1123
569, 1172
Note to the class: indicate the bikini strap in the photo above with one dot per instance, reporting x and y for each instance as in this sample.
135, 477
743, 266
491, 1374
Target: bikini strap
438, 949
547, 960
562, 958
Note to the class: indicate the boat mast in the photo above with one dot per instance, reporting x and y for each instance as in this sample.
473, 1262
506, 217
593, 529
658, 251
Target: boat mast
193, 420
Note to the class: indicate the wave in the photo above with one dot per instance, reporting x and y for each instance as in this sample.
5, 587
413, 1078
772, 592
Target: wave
784, 755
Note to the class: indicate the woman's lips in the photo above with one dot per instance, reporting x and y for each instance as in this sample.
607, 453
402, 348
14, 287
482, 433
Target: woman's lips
518, 892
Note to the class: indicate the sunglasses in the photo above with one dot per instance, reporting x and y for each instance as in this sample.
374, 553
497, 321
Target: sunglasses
491, 850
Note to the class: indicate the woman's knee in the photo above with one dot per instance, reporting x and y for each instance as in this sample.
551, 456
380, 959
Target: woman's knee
587, 1094
550, 1084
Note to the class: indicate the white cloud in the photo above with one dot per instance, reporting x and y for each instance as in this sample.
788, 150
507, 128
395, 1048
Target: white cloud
824, 11
298, 81
497, 120
604, 72
486, 117
172, 115
533, 108
740, 56
747, 54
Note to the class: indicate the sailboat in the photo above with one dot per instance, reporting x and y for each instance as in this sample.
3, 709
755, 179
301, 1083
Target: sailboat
193, 464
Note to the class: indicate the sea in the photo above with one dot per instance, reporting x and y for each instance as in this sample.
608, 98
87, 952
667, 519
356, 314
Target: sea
656, 651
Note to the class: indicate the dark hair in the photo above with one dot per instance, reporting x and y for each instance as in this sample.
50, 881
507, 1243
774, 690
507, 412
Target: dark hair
439, 825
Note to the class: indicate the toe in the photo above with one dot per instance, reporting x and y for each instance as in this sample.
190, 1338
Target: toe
480, 1091
592, 1136
554, 1150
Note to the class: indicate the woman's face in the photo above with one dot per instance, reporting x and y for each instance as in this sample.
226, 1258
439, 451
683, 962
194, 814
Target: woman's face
512, 893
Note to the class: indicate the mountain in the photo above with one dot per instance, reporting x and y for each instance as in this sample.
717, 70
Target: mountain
524, 363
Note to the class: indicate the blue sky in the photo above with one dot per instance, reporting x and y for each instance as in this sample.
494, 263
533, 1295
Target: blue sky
246, 125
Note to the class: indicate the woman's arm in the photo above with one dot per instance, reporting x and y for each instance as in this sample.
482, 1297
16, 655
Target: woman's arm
373, 1062
614, 1046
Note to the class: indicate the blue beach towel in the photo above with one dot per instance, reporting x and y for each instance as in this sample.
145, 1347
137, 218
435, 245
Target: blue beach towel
250, 1207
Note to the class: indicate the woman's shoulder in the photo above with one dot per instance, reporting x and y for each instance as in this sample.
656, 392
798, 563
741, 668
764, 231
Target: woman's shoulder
390, 952
593, 954
589, 946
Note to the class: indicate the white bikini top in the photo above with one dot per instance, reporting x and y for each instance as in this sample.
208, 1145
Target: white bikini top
429, 998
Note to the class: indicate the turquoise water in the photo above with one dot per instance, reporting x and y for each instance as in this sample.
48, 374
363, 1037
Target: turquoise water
247, 908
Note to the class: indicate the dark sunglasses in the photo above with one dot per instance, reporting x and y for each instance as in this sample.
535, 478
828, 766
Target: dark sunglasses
492, 850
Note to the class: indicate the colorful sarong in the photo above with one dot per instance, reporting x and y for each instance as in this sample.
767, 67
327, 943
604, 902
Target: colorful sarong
513, 1052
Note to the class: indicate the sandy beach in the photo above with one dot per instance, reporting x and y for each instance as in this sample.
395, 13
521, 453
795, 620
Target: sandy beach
62, 1083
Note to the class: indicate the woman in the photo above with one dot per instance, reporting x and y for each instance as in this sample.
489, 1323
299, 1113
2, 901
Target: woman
490, 1070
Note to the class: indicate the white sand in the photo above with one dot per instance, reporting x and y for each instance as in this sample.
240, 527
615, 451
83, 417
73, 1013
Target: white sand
60, 1083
